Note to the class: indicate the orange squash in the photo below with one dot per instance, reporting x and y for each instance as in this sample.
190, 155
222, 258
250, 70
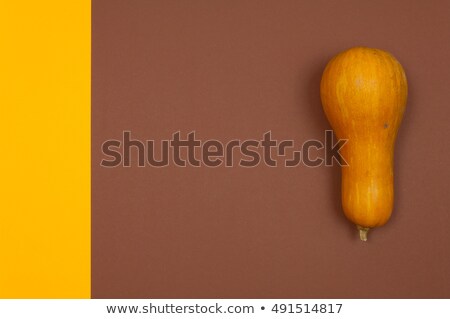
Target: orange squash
363, 93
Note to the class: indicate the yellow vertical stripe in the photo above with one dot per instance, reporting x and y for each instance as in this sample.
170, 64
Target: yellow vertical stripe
45, 149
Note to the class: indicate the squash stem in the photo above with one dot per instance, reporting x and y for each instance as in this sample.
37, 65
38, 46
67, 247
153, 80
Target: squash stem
363, 232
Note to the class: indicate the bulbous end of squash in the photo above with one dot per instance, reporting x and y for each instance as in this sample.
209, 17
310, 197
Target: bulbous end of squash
363, 232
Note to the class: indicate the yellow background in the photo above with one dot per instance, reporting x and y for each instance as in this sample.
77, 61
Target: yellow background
45, 149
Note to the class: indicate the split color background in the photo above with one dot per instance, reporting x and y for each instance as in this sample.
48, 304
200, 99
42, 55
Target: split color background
45, 157
226, 69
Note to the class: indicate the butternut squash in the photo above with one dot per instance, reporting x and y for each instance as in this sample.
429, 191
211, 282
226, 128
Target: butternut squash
363, 93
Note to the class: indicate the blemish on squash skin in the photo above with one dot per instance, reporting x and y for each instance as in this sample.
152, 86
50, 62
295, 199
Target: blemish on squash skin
386, 125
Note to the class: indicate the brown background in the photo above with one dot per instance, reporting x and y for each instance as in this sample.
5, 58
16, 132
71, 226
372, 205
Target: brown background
236, 69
